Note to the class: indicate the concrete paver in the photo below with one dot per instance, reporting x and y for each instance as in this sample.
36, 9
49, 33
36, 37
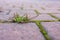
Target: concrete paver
53, 29
43, 17
14, 31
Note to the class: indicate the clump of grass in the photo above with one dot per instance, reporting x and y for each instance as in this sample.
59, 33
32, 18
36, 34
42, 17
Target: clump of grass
20, 19
25, 19
17, 18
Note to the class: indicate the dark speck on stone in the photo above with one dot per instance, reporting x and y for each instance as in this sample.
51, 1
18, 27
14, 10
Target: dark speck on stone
1, 11
22, 37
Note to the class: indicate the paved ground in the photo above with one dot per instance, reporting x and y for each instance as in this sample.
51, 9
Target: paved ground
29, 31
13, 31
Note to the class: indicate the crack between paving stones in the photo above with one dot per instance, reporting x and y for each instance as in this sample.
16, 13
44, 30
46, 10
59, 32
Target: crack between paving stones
58, 19
44, 33
45, 21
2, 21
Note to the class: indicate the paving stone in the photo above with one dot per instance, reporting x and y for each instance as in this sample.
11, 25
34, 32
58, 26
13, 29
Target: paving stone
43, 17
50, 7
53, 29
14, 31
5, 15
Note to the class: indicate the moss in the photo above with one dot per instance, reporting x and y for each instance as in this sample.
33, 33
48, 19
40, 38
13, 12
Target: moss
45, 20
42, 30
52, 16
58, 19
36, 11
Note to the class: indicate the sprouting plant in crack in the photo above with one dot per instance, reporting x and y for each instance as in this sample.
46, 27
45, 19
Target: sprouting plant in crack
21, 19
25, 19
17, 18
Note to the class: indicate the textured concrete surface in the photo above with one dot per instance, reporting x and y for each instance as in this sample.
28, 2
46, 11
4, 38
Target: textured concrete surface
29, 31
43, 17
14, 31
53, 29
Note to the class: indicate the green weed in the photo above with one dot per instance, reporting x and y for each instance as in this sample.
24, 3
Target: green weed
19, 19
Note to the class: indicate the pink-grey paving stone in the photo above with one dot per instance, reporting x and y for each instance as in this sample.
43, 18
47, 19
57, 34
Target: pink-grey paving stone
14, 31
53, 29
6, 15
43, 17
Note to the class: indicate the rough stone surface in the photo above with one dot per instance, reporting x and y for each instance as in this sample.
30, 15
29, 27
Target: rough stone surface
14, 31
53, 29
29, 31
43, 17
